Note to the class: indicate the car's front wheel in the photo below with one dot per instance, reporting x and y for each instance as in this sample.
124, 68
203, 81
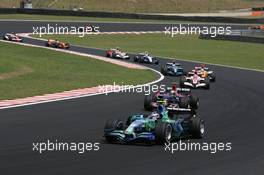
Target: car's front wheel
163, 133
111, 125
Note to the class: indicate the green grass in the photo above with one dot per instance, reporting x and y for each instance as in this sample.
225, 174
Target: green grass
27, 71
144, 6
188, 47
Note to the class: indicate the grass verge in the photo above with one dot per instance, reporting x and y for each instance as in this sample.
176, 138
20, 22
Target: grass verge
27, 71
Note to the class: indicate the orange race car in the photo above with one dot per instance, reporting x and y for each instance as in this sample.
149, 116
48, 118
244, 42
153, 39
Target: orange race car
203, 72
260, 27
57, 44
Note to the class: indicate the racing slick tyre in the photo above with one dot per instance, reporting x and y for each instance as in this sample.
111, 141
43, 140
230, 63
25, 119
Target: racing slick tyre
163, 133
148, 102
207, 83
135, 59
112, 124
184, 102
182, 81
164, 70
194, 102
197, 128
212, 78
47, 44
67, 45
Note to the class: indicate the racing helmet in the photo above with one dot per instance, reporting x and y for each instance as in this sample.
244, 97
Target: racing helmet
161, 109
174, 87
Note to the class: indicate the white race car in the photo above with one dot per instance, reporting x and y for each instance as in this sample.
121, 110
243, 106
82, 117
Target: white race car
12, 37
145, 58
195, 81
117, 53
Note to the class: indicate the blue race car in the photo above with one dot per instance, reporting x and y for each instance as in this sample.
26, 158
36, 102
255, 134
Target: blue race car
158, 127
172, 69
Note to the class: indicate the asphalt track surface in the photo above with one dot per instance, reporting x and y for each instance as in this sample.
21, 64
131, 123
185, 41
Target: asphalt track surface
232, 109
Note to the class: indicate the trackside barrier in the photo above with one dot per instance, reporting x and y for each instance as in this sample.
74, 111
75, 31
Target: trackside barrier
126, 15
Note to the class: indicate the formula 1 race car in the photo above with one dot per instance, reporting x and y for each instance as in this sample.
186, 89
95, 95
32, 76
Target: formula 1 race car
173, 69
145, 58
260, 27
12, 37
203, 72
57, 44
194, 81
176, 100
157, 127
117, 53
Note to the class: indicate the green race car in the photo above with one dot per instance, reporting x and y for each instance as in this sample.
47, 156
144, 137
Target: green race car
157, 127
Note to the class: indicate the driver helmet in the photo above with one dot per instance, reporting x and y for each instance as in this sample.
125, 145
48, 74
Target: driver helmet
174, 87
161, 109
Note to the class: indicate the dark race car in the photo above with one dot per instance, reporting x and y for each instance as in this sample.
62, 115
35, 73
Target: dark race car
176, 100
157, 127
117, 53
57, 44
12, 37
145, 58
172, 69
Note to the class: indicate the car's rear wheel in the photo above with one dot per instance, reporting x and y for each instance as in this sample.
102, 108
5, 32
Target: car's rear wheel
182, 81
207, 83
184, 102
163, 132
194, 101
212, 78
197, 127
164, 70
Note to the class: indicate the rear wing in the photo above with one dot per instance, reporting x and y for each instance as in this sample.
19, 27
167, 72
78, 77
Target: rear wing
183, 90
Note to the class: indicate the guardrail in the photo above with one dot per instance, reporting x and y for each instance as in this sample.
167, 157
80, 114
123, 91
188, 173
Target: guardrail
126, 15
